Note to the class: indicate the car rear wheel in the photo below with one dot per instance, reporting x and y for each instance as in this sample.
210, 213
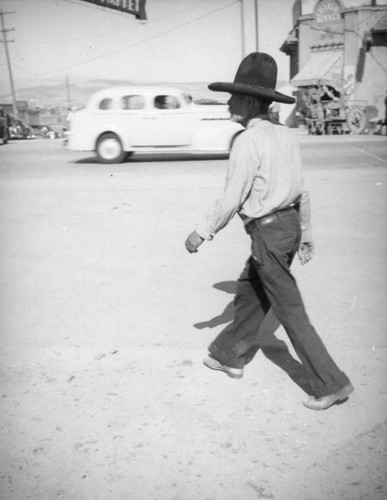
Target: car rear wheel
109, 149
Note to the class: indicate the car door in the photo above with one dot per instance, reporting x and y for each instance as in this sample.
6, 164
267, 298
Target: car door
168, 121
132, 107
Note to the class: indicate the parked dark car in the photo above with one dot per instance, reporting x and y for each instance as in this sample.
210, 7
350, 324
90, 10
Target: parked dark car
19, 130
4, 126
44, 131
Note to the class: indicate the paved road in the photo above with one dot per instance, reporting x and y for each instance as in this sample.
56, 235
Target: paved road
105, 317
318, 152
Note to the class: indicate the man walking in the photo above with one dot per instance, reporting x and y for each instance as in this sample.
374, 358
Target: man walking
264, 186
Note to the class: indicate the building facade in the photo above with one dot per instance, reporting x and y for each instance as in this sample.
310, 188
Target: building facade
338, 51
26, 114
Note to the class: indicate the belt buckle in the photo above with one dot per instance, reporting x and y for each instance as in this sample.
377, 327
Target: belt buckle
267, 219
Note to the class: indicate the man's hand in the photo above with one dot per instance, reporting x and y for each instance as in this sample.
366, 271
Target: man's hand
306, 252
193, 242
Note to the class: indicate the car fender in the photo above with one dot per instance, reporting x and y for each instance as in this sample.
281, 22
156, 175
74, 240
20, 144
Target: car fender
125, 141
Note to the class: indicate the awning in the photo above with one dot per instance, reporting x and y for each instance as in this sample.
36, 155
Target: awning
324, 68
381, 24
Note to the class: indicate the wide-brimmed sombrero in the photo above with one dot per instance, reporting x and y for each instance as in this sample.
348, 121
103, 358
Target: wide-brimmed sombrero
256, 76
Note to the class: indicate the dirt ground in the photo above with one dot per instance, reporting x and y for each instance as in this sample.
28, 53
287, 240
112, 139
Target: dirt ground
105, 318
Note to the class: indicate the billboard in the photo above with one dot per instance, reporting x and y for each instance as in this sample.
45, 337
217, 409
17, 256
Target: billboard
135, 7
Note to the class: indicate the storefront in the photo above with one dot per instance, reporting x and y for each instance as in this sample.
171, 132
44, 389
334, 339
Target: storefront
26, 114
338, 63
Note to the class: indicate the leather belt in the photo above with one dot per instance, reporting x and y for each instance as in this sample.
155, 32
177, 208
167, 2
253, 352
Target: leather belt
267, 219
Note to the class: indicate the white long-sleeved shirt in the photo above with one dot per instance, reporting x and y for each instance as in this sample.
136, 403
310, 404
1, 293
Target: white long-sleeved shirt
264, 174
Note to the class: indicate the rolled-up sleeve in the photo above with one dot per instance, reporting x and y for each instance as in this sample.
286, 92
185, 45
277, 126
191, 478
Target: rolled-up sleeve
241, 169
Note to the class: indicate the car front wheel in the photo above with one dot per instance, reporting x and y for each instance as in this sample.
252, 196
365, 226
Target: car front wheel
109, 149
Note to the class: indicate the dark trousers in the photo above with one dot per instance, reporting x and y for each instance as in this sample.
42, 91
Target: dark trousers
266, 282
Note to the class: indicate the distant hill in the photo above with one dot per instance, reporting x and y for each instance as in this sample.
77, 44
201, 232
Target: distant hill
55, 94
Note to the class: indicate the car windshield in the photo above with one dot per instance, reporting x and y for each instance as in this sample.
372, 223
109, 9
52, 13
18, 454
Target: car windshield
166, 102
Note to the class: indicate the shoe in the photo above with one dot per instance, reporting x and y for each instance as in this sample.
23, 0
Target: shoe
214, 364
326, 401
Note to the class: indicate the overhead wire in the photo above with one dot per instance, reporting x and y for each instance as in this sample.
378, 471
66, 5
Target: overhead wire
141, 42
104, 34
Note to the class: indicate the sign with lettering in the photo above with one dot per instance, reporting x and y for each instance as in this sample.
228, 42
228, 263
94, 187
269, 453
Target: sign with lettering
135, 7
327, 12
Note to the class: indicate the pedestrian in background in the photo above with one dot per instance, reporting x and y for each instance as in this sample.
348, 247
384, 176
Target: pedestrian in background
264, 186
69, 117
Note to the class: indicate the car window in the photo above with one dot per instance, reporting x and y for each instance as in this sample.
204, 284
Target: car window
106, 103
166, 102
132, 102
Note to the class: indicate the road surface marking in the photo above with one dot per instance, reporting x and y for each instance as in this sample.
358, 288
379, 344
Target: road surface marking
373, 156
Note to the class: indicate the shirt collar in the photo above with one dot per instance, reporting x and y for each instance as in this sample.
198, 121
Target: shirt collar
256, 120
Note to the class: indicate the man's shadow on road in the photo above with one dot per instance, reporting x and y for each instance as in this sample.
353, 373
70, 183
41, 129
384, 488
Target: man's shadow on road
274, 349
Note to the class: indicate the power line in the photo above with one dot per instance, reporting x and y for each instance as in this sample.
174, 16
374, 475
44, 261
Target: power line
104, 34
141, 42
122, 14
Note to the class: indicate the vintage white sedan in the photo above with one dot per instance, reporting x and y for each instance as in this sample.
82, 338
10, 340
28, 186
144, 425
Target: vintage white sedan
123, 120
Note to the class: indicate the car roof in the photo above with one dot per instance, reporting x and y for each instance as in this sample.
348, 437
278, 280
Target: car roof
137, 89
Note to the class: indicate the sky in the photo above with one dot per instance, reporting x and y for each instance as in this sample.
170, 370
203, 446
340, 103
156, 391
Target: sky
182, 40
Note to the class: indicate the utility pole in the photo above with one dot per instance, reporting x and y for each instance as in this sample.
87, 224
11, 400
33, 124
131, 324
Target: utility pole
6, 41
256, 25
242, 16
